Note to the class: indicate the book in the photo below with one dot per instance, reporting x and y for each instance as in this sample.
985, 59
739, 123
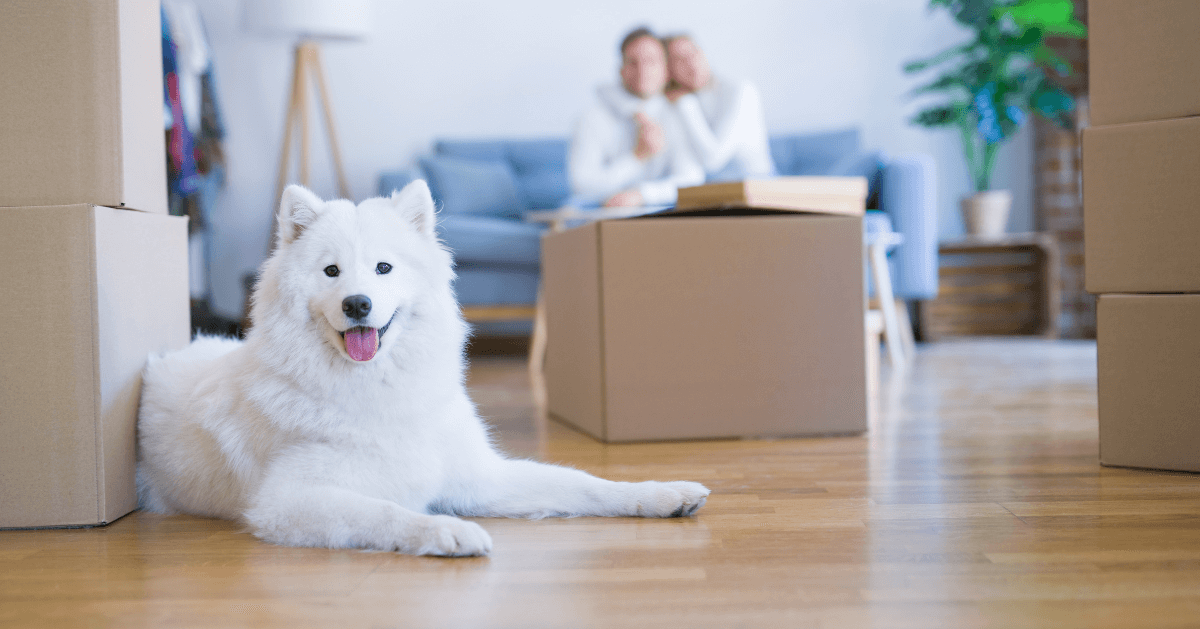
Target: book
825, 195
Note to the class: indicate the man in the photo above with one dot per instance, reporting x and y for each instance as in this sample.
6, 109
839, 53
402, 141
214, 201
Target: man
629, 148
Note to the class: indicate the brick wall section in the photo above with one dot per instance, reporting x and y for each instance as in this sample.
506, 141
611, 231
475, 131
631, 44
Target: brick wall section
1058, 197
1059, 210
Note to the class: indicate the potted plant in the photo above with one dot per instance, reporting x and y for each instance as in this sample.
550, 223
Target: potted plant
993, 82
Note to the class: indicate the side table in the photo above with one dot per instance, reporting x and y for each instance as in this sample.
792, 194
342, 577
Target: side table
897, 329
1006, 285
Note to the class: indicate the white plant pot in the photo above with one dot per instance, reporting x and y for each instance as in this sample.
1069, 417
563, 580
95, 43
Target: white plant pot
985, 214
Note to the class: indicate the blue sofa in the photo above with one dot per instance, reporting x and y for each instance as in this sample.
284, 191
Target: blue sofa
483, 187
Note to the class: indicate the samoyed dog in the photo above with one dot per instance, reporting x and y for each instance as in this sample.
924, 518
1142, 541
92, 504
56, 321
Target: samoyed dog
343, 420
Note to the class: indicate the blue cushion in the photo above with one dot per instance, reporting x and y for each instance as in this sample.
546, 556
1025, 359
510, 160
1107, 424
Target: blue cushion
467, 186
529, 156
812, 154
492, 285
539, 166
393, 180
541, 171
490, 240
867, 164
490, 150
545, 190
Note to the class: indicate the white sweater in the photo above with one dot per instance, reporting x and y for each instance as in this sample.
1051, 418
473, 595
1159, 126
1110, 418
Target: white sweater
601, 161
726, 126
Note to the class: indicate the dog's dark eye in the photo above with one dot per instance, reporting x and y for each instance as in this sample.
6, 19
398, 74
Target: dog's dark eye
331, 270
383, 268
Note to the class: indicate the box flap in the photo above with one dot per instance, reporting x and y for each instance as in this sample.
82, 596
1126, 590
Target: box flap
823, 195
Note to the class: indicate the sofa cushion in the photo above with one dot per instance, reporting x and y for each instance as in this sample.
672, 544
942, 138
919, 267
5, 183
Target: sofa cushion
494, 285
393, 180
489, 150
867, 164
468, 186
490, 240
539, 166
541, 171
812, 154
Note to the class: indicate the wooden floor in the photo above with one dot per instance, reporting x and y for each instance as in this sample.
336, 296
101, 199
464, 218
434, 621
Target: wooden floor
974, 501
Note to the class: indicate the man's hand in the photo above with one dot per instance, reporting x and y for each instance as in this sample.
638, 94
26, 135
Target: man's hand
650, 140
628, 198
675, 93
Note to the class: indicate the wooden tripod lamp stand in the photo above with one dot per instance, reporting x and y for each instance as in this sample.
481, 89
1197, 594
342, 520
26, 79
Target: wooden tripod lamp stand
308, 22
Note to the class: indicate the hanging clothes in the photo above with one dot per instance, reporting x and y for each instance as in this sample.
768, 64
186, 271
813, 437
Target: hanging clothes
181, 162
195, 132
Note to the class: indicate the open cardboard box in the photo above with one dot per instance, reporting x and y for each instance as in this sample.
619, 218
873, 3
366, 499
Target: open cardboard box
709, 324
81, 91
87, 293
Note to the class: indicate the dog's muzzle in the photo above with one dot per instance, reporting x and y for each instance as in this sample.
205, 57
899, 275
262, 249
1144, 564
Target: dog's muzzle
362, 342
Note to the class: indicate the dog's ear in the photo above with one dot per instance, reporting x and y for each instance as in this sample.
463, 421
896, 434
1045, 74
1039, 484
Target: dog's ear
415, 203
298, 208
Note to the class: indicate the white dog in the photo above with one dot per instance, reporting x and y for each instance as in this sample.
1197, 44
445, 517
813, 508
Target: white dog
343, 420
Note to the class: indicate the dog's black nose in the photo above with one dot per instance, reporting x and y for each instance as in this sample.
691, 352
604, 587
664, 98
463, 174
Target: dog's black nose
356, 306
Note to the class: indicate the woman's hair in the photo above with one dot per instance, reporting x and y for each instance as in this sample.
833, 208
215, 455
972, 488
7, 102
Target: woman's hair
670, 39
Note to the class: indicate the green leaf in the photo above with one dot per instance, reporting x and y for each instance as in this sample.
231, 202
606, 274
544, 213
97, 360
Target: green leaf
917, 66
1037, 12
945, 83
938, 116
1054, 17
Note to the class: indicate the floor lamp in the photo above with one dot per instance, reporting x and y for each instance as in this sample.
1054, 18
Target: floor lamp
308, 22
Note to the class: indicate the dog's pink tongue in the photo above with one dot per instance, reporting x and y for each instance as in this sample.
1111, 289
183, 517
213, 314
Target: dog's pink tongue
361, 343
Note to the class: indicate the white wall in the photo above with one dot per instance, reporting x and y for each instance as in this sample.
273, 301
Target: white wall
462, 68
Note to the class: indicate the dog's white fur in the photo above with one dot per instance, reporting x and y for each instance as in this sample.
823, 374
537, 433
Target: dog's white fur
311, 448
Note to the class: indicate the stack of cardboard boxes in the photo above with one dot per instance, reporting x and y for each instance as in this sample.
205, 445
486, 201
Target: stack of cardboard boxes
93, 271
1141, 162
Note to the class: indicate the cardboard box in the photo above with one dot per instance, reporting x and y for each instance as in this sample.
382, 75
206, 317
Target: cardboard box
1141, 213
1148, 369
81, 91
86, 294
693, 327
1142, 60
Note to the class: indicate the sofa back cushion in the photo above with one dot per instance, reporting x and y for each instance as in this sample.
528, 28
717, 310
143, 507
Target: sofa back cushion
812, 154
539, 167
473, 186
866, 164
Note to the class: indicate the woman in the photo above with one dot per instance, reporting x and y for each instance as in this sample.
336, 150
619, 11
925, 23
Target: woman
723, 118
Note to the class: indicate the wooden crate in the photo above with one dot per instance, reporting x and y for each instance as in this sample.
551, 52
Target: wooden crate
1005, 286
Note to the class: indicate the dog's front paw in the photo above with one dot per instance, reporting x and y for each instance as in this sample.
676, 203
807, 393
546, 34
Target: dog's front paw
448, 536
673, 500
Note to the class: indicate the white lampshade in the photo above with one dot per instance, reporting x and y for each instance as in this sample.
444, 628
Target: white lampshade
315, 19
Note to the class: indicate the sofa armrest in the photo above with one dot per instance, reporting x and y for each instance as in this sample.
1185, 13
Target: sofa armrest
908, 193
391, 180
